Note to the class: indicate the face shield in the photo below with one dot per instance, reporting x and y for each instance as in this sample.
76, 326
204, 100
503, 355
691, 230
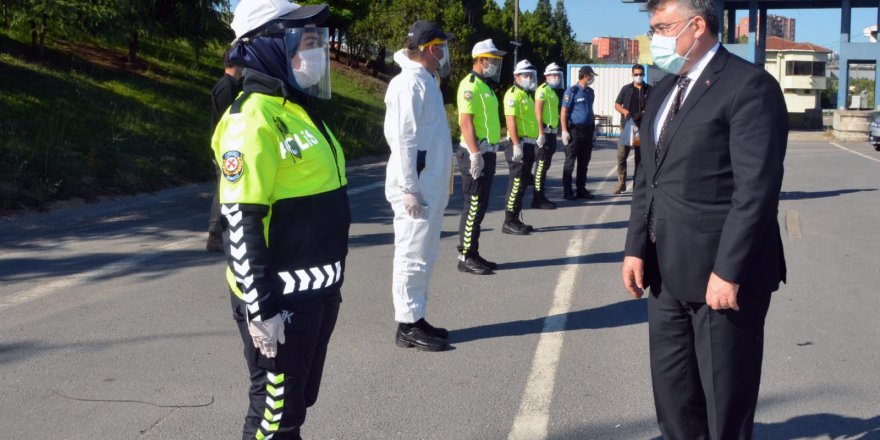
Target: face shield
308, 55
554, 80
527, 80
492, 68
444, 67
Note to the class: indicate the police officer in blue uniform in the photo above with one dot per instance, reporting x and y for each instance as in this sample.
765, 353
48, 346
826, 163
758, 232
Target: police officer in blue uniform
577, 133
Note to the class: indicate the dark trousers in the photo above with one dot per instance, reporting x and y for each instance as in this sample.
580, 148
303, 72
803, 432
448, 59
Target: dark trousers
214, 222
579, 150
519, 177
623, 154
475, 193
705, 364
282, 388
542, 157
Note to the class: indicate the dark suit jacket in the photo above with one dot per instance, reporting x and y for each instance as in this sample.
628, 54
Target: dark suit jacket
716, 188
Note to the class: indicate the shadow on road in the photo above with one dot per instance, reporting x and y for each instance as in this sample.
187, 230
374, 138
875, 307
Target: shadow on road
821, 425
805, 195
610, 225
600, 257
621, 314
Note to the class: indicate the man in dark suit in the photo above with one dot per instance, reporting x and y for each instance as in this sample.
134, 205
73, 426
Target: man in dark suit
703, 231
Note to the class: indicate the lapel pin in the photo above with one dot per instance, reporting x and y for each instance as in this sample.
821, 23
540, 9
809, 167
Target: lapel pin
708, 83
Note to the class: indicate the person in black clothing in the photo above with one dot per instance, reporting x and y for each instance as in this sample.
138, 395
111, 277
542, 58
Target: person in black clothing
224, 92
630, 104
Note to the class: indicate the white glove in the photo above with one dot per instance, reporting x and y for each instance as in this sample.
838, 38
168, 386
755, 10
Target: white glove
517, 153
413, 204
566, 138
541, 140
267, 334
476, 165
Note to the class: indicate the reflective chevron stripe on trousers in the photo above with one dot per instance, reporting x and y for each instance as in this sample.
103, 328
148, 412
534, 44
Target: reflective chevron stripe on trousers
475, 200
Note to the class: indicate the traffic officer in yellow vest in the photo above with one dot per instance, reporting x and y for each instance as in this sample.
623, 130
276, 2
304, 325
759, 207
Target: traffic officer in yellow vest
522, 130
480, 137
283, 198
547, 114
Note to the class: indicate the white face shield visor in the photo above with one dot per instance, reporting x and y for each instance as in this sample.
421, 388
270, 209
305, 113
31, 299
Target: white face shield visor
554, 80
308, 54
527, 80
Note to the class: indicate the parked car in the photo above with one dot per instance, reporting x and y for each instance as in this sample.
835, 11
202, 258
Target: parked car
874, 135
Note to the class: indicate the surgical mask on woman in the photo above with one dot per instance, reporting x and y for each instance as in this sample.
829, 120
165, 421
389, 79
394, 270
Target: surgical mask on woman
312, 65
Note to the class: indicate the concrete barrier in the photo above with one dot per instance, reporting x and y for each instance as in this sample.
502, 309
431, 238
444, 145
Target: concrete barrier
852, 125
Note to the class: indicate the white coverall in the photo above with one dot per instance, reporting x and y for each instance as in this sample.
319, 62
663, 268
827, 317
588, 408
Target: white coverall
415, 121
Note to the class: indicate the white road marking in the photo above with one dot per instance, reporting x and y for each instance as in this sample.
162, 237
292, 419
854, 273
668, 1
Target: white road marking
855, 152
47, 289
533, 417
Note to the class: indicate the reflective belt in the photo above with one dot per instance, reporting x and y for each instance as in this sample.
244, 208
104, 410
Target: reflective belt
526, 140
550, 130
311, 278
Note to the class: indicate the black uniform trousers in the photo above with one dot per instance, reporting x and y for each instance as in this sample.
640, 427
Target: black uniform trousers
579, 150
705, 364
215, 223
282, 388
519, 176
542, 158
475, 193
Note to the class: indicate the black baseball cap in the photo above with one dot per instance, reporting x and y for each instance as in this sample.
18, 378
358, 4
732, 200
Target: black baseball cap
586, 70
423, 32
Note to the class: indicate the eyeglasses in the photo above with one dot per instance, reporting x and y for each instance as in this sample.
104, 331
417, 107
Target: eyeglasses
665, 28
639, 75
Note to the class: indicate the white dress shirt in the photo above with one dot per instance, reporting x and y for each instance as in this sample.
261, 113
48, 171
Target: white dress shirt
693, 74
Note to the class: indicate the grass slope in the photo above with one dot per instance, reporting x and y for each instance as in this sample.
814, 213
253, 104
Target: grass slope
83, 123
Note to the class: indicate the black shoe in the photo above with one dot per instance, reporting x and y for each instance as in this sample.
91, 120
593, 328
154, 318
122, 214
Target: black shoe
438, 332
584, 194
489, 264
568, 196
215, 242
419, 338
522, 225
541, 202
513, 228
472, 265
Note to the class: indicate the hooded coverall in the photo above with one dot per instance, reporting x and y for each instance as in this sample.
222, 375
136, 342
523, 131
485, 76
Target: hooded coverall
421, 162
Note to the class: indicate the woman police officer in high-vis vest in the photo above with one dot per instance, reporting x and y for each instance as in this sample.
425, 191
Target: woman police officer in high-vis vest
283, 197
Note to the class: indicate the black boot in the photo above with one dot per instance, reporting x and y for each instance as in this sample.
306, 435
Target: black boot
490, 264
413, 335
519, 221
539, 201
472, 265
512, 225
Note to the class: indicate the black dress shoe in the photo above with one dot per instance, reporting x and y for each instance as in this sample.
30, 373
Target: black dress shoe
419, 338
585, 195
568, 196
542, 203
472, 265
439, 332
514, 228
489, 264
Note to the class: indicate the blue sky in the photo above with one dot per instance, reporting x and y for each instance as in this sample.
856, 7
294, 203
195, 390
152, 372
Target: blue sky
617, 19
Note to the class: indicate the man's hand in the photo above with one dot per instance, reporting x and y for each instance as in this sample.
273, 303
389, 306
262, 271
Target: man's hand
413, 204
267, 334
517, 153
541, 140
566, 138
721, 294
633, 276
476, 165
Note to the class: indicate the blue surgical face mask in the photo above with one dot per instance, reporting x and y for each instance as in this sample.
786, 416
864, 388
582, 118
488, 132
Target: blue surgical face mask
663, 51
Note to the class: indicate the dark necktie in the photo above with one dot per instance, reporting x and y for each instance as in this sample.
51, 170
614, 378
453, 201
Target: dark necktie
680, 87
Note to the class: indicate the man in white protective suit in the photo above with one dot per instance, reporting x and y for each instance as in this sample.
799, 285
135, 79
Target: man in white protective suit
418, 178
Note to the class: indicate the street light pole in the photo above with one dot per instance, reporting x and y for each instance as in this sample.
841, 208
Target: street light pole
515, 41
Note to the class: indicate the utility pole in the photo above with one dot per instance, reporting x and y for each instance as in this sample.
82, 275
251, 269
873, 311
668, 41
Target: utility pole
515, 41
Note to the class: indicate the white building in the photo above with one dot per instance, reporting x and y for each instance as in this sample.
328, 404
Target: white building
800, 70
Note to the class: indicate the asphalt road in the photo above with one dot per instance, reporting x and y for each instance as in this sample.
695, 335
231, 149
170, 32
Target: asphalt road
115, 323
